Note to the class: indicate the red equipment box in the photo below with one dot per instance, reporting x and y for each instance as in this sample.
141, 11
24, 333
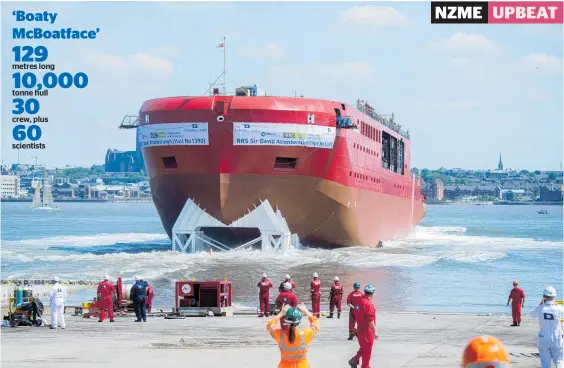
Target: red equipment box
197, 297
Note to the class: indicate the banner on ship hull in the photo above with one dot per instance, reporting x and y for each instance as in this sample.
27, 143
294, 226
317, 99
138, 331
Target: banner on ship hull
173, 134
279, 134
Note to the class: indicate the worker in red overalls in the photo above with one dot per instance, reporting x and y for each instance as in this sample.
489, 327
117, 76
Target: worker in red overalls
352, 301
365, 316
335, 297
150, 296
517, 298
264, 286
286, 297
316, 295
106, 295
287, 279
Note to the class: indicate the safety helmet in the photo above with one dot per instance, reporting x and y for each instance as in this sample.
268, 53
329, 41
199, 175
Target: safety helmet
369, 289
335, 279
293, 316
356, 285
549, 291
315, 275
56, 278
287, 277
106, 277
137, 278
287, 286
515, 282
485, 351
264, 275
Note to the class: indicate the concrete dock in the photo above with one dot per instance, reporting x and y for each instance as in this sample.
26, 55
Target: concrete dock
406, 340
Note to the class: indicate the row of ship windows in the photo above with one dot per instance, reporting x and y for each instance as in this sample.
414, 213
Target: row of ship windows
369, 131
372, 179
364, 149
364, 177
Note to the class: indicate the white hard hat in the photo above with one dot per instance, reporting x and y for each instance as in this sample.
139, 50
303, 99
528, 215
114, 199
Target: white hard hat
287, 286
335, 278
106, 277
137, 278
264, 275
287, 277
56, 278
549, 291
315, 274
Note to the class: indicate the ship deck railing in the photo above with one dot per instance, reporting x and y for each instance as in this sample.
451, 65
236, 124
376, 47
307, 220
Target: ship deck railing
386, 121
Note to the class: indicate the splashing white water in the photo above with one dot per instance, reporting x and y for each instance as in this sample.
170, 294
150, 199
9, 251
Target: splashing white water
87, 240
426, 246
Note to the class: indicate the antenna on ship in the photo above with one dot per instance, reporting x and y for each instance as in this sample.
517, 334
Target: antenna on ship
224, 48
219, 46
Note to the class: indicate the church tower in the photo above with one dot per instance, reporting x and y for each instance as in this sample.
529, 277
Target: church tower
500, 163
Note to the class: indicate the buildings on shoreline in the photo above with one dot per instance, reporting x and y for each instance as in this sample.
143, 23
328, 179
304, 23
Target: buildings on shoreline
121, 178
501, 184
19, 182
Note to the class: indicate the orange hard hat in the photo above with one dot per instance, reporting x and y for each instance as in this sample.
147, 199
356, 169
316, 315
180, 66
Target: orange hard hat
515, 282
485, 352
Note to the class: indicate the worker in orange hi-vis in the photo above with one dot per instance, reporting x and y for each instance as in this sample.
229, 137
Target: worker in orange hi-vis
294, 341
106, 294
517, 298
485, 352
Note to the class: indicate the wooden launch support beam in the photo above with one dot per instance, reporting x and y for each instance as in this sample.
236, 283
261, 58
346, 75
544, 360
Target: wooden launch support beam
187, 236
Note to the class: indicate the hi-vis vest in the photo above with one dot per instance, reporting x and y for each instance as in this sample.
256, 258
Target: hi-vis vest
293, 351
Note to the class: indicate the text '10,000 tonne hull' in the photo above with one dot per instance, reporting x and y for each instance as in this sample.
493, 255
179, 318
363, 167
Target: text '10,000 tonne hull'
340, 175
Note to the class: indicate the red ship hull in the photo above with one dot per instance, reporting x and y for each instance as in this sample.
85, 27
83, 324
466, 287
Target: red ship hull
335, 196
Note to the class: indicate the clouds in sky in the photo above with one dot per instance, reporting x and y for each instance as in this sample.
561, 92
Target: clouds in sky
138, 62
373, 16
270, 50
461, 41
485, 85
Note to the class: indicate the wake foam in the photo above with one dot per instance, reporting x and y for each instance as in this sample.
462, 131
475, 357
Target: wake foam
455, 237
426, 246
87, 240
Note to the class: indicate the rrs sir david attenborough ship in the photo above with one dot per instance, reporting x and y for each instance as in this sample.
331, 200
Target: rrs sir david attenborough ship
339, 174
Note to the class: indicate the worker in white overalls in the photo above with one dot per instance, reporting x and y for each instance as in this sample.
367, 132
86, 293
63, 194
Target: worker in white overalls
57, 299
551, 341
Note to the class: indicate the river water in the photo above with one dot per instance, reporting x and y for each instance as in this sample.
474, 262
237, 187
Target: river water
462, 258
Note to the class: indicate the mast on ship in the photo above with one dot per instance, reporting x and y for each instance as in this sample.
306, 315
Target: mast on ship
221, 45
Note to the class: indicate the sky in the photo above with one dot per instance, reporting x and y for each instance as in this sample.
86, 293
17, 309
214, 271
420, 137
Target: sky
466, 92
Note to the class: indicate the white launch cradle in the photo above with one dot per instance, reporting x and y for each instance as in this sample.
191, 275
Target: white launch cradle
275, 235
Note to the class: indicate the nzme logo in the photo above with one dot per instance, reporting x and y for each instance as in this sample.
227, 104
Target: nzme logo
509, 12
459, 12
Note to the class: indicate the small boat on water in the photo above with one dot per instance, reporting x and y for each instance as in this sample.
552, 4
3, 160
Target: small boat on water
47, 203
542, 212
